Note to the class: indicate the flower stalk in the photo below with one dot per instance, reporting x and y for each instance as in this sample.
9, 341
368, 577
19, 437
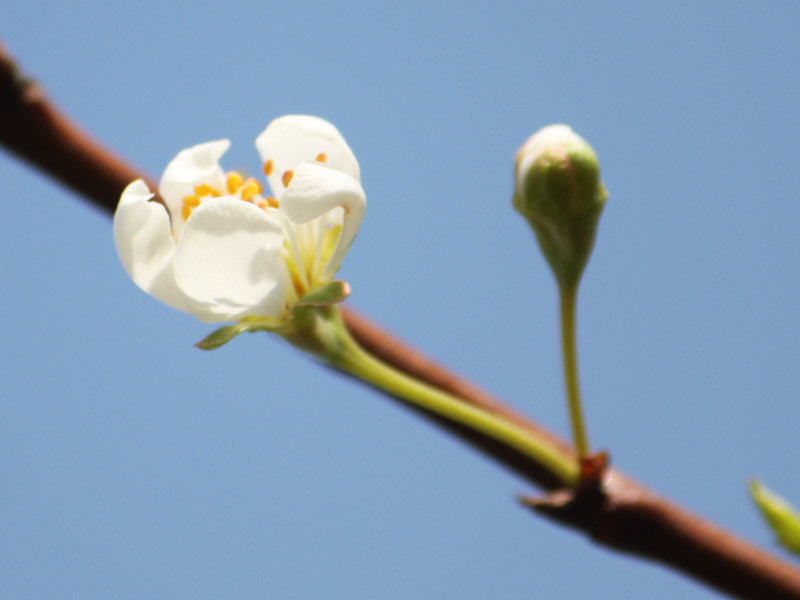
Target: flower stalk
322, 332
568, 296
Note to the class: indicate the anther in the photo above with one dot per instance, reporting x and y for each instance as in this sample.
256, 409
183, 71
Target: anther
189, 204
286, 178
322, 157
250, 188
233, 182
206, 190
273, 202
252, 181
268, 166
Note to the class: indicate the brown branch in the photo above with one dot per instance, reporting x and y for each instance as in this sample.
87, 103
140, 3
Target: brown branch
617, 512
621, 514
35, 130
403, 357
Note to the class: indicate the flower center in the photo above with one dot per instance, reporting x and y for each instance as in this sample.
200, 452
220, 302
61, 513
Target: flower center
249, 190
307, 247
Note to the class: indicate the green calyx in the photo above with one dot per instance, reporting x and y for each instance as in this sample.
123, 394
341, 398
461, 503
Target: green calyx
300, 326
560, 194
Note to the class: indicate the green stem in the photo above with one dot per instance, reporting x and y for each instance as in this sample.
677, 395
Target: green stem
350, 357
568, 297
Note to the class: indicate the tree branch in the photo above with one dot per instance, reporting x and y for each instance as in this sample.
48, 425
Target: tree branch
616, 512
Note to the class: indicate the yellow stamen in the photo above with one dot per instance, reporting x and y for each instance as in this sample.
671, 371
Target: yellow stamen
262, 204
322, 157
273, 202
255, 182
250, 188
189, 204
233, 182
286, 178
206, 190
297, 283
268, 166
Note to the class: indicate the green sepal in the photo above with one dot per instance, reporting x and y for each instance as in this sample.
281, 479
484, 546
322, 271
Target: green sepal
223, 335
332, 293
779, 514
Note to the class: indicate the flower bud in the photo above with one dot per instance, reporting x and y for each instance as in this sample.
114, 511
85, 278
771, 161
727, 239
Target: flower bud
558, 190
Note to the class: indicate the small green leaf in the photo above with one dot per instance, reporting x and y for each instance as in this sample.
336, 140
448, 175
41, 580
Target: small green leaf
222, 336
332, 293
779, 514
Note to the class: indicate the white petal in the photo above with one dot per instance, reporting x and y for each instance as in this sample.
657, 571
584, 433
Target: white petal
228, 263
191, 167
144, 244
552, 135
316, 190
294, 139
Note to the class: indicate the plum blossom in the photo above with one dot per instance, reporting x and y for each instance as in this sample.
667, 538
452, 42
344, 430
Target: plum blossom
221, 248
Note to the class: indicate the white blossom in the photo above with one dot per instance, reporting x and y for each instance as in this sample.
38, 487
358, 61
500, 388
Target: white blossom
221, 248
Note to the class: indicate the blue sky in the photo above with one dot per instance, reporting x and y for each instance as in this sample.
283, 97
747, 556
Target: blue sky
135, 466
